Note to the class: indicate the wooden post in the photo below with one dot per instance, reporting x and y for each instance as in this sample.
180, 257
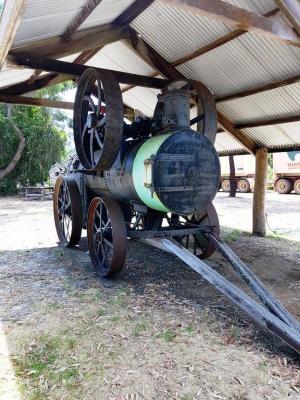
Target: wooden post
260, 191
233, 185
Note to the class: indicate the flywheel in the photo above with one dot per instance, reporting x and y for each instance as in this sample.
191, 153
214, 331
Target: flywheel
98, 119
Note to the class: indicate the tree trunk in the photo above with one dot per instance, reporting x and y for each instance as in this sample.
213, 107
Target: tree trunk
18, 154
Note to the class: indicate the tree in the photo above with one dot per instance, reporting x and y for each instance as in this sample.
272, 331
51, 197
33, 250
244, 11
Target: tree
45, 141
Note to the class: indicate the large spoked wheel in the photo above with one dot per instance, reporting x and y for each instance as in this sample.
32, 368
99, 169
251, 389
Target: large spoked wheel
106, 232
67, 211
199, 244
98, 119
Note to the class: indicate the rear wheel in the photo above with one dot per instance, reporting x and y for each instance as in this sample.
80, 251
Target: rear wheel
225, 185
244, 186
67, 211
284, 186
297, 186
106, 233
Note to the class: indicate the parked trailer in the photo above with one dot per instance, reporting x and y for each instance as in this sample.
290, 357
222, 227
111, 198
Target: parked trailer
244, 173
286, 167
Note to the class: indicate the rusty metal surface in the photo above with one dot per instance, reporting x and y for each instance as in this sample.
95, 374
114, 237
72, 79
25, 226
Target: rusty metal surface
98, 134
106, 233
67, 211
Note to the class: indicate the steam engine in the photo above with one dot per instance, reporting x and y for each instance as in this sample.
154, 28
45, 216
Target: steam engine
152, 177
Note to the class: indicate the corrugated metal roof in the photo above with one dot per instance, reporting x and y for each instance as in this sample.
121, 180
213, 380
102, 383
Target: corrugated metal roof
275, 135
43, 19
244, 63
284, 101
141, 99
106, 12
117, 56
226, 143
174, 33
12, 76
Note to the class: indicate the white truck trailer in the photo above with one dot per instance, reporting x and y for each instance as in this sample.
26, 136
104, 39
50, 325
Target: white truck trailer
286, 168
244, 173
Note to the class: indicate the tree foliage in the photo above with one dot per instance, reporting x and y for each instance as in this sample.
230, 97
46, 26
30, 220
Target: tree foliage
45, 141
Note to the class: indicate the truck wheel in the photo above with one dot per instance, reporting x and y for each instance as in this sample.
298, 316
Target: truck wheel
225, 185
297, 186
284, 186
244, 186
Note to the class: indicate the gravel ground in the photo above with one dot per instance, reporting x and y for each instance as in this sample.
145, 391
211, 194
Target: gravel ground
155, 332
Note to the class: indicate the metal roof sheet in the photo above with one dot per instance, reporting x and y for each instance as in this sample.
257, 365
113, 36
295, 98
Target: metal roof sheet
14, 75
175, 33
106, 12
43, 19
284, 101
117, 56
226, 143
141, 99
275, 136
244, 63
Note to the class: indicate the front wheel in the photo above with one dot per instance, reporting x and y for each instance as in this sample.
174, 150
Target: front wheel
107, 238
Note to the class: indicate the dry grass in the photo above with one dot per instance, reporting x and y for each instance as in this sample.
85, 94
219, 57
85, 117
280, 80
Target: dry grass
119, 345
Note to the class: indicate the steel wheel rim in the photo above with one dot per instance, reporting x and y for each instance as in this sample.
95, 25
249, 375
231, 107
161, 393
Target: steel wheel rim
98, 129
107, 238
67, 211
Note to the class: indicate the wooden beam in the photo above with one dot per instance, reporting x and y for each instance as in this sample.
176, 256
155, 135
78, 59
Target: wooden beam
260, 193
78, 19
63, 67
217, 43
236, 133
259, 89
132, 12
86, 55
34, 101
291, 9
268, 122
9, 23
82, 40
29, 85
239, 18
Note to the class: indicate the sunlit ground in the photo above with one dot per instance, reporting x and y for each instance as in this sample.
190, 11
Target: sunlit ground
8, 384
283, 213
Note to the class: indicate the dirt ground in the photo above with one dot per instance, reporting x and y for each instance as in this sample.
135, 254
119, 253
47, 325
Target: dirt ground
157, 331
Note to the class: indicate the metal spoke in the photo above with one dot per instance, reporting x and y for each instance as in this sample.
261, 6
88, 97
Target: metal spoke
99, 99
90, 100
85, 129
98, 140
92, 146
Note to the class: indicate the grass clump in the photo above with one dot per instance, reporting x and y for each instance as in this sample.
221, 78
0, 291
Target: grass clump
168, 335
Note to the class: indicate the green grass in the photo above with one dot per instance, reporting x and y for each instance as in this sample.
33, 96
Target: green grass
231, 235
168, 335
